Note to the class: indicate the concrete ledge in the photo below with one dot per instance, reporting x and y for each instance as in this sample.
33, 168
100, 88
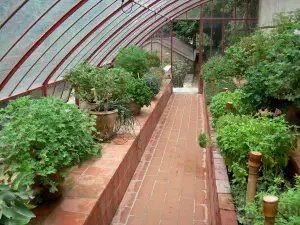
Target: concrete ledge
93, 192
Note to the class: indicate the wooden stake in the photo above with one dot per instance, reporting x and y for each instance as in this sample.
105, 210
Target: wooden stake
270, 207
229, 107
254, 165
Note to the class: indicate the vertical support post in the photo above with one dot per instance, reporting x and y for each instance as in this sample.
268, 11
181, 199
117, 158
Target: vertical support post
229, 107
161, 46
211, 27
223, 26
235, 16
254, 165
171, 53
44, 91
151, 47
270, 208
76, 99
247, 16
200, 80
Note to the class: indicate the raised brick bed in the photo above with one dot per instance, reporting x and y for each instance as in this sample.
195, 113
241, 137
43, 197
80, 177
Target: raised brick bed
93, 192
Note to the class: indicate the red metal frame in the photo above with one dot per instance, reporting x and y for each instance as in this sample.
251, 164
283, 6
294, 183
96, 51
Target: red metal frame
13, 13
211, 26
171, 53
82, 40
56, 40
200, 81
137, 27
28, 29
40, 41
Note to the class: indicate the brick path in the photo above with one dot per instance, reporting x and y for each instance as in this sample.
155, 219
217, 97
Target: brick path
169, 186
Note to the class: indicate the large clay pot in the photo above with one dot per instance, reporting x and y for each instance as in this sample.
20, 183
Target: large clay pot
87, 105
135, 108
105, 123
44, 191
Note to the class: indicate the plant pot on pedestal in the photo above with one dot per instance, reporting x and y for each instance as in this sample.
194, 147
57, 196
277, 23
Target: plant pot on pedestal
105, 122
135, 108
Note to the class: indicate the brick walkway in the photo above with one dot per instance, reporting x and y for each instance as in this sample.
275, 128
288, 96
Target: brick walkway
169, 186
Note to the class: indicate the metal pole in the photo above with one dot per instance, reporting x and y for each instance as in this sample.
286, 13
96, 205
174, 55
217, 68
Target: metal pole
223, 26
151, 47
211, 28
235, 16
254, 165
247, 16
161, 46
270, 207
200, 81
171, 53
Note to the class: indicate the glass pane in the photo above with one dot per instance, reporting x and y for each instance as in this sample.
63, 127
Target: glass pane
7, 7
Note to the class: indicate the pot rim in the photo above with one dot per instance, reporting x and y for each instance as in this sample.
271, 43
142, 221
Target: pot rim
104, 112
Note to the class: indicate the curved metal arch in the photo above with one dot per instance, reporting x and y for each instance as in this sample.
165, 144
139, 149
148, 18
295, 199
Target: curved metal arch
195, 4
40, 41
86, 37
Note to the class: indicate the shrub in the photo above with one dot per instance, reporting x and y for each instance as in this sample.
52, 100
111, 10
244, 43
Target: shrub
47, 135
152, 82
138, 91
180, 70
153, 59
218, 104
203, 140
133, 59
237, 136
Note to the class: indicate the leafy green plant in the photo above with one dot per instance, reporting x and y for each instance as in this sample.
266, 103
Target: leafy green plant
153, 59
152, 82
203, 140
134, 60
180, 70
239, 107
237, 136
14, 202
138, 91
51, 137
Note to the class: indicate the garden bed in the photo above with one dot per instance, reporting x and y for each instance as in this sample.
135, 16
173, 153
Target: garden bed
92, 193
224, 206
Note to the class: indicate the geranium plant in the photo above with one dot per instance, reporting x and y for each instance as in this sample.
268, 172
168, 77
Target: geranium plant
138, 91
47, 135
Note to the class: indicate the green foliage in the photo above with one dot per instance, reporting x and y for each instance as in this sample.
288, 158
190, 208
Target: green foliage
217, 76
180, 70
239, 107
153, 59
134, 60
237, 136
203, 140
46, 135
138, 91
104, 86
152, 82
14, 199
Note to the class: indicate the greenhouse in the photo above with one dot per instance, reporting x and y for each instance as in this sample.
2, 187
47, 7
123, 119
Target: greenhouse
150, 112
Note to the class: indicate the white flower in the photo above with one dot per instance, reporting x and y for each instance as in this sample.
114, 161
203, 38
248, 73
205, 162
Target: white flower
67, 110
297, 32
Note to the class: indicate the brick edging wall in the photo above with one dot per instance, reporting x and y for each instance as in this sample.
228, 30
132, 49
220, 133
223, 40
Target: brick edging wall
115, 190
223, 211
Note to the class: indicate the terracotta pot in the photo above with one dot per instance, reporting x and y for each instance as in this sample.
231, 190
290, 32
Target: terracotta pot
105, 123
87, 105
44, 191
135, 108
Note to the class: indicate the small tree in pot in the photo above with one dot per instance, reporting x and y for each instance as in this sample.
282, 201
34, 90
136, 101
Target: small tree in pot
49, 137
139, 93
103, 90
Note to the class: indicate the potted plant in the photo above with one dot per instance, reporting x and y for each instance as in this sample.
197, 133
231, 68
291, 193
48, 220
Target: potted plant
139, 93
102, 90
48, 136
152, 81
134, 60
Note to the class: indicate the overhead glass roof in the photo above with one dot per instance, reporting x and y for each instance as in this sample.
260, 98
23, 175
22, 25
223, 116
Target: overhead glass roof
42, 39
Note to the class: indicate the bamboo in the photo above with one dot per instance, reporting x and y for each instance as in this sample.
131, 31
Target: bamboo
254, 165
270, 207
